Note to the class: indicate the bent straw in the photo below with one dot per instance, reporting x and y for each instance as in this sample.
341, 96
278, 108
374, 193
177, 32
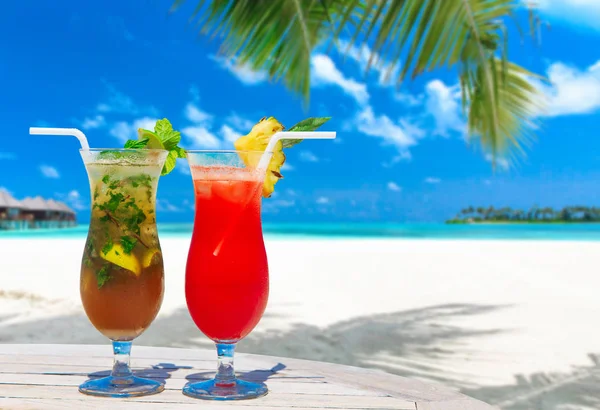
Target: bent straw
292, 135
74, 132
263, 163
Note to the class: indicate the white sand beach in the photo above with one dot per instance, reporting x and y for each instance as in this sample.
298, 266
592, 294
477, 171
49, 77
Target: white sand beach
514, 323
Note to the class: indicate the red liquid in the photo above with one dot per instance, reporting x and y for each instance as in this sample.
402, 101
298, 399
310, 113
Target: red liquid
227, 278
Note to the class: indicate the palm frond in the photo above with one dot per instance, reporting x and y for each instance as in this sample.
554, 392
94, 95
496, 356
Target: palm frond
424, 35
418, 36
277, 36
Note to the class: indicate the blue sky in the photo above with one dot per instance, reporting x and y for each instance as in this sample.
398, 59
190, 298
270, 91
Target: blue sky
401, 154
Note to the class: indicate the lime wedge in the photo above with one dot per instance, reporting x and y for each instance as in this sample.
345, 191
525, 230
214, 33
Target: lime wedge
117, 256
153, 140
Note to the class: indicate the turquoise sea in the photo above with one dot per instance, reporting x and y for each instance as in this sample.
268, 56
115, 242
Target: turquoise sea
575, 232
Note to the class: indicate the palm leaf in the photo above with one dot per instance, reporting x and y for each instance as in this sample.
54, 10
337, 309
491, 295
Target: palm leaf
277, 36
498, 97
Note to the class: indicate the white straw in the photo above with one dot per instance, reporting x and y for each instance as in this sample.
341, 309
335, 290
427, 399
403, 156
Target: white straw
263, 163
74, 132
292, 135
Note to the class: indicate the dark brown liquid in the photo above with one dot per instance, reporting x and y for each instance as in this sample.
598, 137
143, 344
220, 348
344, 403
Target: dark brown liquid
122, 286
126, 305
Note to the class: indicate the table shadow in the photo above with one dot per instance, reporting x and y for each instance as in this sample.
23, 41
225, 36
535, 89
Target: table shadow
159, 372
255, 376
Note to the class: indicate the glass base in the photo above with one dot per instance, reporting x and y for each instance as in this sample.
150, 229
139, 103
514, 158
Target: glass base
238, 390
117, 387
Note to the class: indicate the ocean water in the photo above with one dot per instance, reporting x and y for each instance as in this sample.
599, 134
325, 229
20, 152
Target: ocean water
571, 232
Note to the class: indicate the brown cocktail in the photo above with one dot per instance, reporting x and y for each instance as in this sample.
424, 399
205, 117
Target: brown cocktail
122, 274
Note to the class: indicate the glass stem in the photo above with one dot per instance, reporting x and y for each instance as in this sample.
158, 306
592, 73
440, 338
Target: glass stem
225, 371
121, 371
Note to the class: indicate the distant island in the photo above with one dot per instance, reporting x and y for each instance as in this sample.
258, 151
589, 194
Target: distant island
568, 214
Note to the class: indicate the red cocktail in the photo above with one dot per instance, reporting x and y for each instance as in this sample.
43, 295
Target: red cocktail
227, 277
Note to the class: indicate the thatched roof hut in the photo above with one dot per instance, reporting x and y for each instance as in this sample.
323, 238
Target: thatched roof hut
65, 208
35, 204
8, 201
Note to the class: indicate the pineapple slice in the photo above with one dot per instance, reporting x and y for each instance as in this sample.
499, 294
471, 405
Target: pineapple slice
257, 140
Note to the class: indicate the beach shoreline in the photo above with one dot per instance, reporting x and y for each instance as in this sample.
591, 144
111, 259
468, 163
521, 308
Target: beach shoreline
475, 315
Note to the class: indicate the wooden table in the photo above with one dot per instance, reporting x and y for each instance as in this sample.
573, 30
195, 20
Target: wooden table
47, 376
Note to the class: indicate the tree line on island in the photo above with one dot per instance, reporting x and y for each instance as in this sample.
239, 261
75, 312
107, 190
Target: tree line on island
532, 215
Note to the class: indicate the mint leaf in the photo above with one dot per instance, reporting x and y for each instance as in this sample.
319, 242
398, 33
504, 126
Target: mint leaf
107, 246
163, 127
309, 124
128, 243
170, 140
170, 162
102, 276
136, 144
113, 203
180, 152
167, 135
106, 178
163, 137
134, 221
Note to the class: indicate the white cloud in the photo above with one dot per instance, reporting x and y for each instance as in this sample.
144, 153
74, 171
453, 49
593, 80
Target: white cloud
325, 73
240, 123
402, 135
432, 180
201, 138
188, 204
93, 122
283, 203
403, 156
73, 199
322, 200
308, 156
123, 130
443, 103
183, 167
501, 163
392, 186
119, 102
196, 115
229, 134
165, 206
287, 166
242, 72
362, 55
49, 172
5, 189
572, 91
411, 100
582, 13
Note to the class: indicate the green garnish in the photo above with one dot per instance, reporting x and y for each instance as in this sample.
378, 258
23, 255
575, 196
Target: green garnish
133, 222
102, 276
133, 144
163, 137
128, 243
309, 124
107, 246
113, 203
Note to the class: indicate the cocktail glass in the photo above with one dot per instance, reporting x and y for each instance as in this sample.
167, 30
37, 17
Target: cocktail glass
122, 275
227, 277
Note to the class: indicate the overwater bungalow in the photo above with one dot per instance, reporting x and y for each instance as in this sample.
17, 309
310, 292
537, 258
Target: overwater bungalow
34, 213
